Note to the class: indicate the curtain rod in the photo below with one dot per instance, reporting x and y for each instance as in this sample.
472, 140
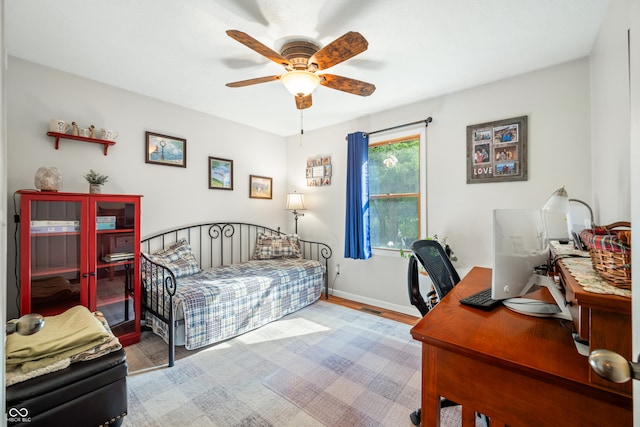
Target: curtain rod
425, 121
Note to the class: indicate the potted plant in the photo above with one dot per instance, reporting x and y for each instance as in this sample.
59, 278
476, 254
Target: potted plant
95, 180
406, 253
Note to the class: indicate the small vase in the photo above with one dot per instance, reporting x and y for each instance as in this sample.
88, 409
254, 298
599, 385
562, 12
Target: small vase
94, 188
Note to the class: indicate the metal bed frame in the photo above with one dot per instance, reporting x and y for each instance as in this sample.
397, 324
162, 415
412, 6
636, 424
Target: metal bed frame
213, 244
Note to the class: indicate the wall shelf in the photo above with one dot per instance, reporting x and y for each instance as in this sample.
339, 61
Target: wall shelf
103, 142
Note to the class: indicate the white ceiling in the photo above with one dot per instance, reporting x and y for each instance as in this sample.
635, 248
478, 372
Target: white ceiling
177, 51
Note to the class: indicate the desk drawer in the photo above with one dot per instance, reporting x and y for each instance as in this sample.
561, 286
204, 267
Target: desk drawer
579, 313
610, 331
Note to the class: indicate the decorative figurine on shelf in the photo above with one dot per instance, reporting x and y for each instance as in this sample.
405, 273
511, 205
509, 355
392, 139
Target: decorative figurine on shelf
74, 129
92, 131
95, 180
59, 126
48, 179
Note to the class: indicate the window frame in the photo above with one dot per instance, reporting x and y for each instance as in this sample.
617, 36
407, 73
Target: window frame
397, 137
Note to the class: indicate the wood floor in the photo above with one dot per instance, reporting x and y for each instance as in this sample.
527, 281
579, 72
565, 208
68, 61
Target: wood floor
382, 312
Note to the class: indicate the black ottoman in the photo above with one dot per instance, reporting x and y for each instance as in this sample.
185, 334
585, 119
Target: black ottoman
91, 393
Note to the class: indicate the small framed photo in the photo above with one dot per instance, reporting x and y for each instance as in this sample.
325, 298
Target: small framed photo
318, 171
165, 150
260, 187
220, 174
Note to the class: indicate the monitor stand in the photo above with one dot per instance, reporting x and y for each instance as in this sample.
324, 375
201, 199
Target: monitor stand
537, 308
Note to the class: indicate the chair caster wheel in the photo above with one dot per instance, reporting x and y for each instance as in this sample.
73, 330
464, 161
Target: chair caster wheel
415, 417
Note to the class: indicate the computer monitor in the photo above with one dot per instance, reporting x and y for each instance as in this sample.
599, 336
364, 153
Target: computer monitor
520, 245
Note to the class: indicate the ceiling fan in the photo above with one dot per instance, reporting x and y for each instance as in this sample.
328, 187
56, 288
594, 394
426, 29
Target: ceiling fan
302, 60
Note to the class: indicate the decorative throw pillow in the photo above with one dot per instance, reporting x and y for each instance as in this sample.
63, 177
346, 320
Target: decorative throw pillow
178, 258
272, 247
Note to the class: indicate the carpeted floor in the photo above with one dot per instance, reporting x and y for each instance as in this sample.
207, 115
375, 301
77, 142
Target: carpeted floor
325, 365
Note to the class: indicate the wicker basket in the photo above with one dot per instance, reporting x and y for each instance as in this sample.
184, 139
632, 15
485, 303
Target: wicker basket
613, 264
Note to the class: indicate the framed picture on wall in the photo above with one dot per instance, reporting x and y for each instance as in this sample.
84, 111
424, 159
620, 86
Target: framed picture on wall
318, 171
165, 150
497, 151
260, 187
220, 173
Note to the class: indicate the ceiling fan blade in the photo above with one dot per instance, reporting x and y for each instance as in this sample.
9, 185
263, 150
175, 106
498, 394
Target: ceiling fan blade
346, 84
303, 102
255, 81
339, 50
263, 50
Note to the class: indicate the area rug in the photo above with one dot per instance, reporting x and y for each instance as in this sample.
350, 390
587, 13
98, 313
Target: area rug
355, 376
325, 365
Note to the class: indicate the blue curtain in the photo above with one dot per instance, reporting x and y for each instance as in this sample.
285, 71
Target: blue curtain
357, 241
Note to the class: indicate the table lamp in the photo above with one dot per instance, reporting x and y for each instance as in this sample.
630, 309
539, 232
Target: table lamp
295, 202
556, 215
558, 205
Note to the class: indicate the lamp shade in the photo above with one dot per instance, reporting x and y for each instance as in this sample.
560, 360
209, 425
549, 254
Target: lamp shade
557, 215
300, 82
295, 201
558, 201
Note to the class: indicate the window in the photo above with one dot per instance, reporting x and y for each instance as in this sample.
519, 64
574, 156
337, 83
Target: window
395, 172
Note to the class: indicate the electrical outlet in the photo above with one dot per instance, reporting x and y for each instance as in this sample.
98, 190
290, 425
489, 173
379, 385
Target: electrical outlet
337, 268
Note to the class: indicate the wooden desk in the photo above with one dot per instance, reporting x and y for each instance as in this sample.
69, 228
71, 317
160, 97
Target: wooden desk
603, 320
516, 369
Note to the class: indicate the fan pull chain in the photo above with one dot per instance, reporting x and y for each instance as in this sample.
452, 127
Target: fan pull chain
301, 127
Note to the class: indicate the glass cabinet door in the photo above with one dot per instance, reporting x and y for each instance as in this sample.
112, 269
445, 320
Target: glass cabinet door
55, 257
114, 262
81, 249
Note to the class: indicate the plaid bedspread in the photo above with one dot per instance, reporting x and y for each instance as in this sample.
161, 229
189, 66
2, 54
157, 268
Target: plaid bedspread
227, 301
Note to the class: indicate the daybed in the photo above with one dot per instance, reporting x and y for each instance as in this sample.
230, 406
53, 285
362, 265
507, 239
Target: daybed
206, 283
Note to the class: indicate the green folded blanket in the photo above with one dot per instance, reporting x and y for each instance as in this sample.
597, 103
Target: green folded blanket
65, 335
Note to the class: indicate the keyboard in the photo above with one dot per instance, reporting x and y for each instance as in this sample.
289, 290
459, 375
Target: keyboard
481, 300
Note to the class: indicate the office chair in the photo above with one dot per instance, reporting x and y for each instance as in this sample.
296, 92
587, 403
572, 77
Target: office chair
415, 297
433, 258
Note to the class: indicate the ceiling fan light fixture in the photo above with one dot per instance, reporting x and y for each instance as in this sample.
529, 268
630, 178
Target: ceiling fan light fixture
300, 83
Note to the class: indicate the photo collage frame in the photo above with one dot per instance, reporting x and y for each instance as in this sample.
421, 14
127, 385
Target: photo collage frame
497, 151
318, 171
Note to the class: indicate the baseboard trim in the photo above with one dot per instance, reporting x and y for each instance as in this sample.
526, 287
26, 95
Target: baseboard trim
409, 310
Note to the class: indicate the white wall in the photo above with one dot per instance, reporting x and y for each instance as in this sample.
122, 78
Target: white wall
556, 100
172, 196
610, 117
